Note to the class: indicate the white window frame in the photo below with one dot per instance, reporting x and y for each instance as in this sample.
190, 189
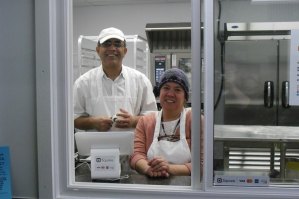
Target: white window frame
54, 115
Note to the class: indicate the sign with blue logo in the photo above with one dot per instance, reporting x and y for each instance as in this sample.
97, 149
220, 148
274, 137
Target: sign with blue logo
241, 179
5, 180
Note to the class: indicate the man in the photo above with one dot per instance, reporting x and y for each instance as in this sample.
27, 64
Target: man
111, 96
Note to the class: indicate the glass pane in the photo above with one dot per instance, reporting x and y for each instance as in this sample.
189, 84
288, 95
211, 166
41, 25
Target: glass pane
256, 134
170, 49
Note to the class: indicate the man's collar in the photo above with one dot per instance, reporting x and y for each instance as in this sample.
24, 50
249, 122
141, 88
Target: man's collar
122, 74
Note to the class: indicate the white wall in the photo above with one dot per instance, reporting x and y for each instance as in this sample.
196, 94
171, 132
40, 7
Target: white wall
17, 88
131, 19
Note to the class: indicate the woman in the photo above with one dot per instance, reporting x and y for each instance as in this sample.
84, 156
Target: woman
163, 139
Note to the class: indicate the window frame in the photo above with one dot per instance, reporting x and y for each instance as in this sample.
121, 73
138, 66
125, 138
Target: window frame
54, 115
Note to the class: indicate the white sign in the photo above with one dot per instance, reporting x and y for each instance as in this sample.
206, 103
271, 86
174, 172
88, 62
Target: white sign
105, 164
231, 180
294, 68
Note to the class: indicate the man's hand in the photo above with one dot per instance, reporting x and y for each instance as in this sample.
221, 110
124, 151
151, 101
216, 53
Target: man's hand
102, 123
98, 123
125, 119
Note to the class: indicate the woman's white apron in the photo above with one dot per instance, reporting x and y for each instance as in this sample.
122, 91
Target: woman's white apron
174, 152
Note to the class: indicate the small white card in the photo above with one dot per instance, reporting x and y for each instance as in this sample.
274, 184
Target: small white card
105, 163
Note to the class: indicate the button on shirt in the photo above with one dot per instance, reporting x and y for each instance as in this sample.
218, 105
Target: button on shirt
116, 87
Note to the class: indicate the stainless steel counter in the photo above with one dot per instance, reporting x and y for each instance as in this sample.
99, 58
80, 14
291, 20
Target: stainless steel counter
259, 136
131, 177
256, 133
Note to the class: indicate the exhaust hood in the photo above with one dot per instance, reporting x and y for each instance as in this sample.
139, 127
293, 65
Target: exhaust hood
168, 36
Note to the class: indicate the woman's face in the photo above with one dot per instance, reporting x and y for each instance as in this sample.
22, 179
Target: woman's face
172, 96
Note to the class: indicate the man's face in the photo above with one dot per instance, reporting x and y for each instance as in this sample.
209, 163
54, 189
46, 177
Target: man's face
112, 52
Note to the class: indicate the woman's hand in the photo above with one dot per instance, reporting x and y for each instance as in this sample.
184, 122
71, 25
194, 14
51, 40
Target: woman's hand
155, 174
159, 167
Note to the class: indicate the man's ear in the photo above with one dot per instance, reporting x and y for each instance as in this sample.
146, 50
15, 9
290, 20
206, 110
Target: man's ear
125, 50
98, 49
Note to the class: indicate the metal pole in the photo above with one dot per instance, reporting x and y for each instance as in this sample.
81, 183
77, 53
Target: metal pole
196, 85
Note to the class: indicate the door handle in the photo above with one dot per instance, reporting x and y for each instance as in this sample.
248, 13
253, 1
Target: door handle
285, 94
268, 94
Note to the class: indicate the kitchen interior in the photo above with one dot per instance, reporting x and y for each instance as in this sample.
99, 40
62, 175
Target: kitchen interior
254, 121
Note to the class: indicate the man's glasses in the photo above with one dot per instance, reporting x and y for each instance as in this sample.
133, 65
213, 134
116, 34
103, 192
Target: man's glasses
116, 44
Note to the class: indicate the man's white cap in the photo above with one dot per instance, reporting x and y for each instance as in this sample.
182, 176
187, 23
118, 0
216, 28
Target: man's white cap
109, 33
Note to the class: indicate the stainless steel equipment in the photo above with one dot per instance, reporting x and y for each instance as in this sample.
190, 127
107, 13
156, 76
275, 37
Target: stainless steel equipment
255, 98
256, 83
170, 47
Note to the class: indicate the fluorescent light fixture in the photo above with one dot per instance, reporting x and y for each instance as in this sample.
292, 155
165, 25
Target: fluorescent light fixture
275, 1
